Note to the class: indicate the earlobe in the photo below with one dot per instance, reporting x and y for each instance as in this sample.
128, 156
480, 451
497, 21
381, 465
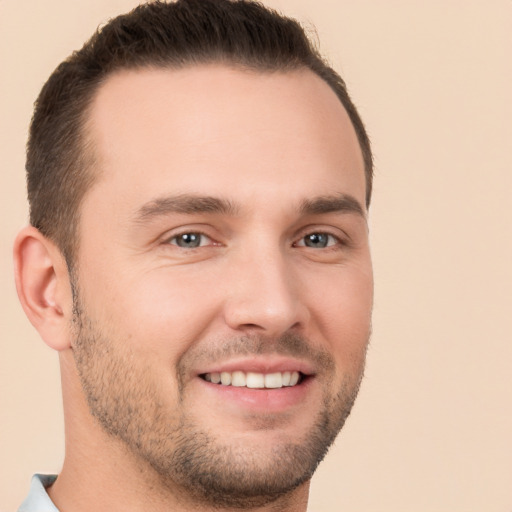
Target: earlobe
43, 286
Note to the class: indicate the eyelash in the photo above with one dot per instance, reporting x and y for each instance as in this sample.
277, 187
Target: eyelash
185, 233
333, 241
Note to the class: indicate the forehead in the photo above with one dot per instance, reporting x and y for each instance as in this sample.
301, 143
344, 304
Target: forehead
217, 130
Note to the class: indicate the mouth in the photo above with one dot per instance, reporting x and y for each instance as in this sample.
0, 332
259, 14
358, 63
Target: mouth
259, 385
255, 380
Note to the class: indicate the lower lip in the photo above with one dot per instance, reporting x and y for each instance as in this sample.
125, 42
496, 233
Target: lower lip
263, 400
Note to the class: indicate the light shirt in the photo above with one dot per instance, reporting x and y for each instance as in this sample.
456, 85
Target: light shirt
38, 499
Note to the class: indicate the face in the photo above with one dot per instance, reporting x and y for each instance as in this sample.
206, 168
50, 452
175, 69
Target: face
224, 282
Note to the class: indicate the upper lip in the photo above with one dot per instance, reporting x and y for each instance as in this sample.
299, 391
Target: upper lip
260, 365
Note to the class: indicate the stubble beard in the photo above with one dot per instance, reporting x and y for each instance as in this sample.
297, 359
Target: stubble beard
127, 401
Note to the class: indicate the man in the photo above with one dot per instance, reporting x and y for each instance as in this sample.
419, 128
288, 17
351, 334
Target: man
198, 254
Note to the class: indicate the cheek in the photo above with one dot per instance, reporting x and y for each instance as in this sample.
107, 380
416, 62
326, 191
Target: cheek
162, 312
343, 313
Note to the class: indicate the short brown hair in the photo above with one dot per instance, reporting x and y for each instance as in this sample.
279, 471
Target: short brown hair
157, 34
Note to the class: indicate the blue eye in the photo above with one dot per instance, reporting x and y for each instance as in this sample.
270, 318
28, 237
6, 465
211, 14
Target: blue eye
318, 240
189, 240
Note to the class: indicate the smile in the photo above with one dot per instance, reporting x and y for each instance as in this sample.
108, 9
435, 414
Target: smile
255, 380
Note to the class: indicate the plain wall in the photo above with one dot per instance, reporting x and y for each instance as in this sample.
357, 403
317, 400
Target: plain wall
431, 431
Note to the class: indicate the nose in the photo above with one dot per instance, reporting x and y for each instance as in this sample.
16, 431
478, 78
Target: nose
264, 295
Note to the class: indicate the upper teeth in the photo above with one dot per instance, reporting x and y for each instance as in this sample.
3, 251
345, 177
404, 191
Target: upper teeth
254, 380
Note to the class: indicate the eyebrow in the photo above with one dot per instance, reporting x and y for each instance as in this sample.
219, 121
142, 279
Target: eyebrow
192, 204
185, 204
340, 203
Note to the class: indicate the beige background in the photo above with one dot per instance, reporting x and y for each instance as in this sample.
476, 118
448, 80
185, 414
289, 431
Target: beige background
433, 80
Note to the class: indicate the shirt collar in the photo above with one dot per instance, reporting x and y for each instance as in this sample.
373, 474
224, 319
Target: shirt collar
38, 499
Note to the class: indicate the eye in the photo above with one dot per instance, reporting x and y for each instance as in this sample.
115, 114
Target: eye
190, 240
318, 240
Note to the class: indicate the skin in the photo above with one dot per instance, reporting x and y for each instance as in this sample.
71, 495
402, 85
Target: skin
278, 153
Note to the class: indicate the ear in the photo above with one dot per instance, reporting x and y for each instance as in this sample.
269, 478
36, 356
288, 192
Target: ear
43, 285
